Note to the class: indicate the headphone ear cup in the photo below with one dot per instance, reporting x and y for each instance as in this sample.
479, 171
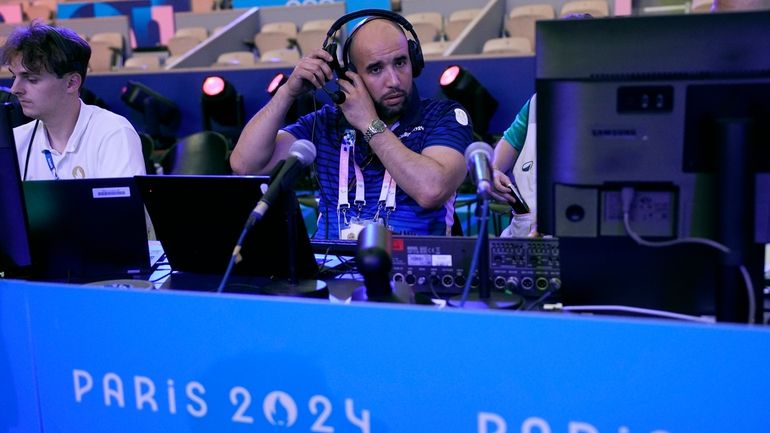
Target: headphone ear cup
331, 48
338, 69
415, 56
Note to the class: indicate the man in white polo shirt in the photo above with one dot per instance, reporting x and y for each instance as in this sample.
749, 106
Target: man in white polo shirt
67, 139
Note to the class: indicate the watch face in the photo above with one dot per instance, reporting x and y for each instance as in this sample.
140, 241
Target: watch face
374, 128
377, 126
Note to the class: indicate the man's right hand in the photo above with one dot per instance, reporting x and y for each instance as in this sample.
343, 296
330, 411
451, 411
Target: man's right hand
312, 72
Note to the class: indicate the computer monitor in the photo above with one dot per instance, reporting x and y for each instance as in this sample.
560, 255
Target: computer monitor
677, 108
15, 256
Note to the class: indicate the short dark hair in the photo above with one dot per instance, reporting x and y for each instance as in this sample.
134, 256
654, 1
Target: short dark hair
57, 50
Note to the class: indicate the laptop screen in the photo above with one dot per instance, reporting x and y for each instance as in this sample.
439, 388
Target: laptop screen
15, 256
198, 220
87, 229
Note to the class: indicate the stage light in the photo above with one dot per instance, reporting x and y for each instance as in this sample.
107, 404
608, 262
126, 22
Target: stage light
222, 108
304, 104
458, 84
277, 81
92, 98
161, 115
16, 115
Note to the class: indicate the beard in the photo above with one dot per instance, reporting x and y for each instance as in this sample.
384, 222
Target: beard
390, 112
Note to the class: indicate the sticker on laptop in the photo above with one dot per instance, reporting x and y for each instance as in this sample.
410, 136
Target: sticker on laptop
122, 191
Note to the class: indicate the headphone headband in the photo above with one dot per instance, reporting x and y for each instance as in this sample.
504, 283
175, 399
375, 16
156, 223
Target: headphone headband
382, 13
415, 52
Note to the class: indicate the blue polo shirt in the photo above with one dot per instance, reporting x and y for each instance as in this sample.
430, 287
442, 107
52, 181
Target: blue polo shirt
426, 123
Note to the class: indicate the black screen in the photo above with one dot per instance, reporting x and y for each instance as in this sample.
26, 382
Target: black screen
15, 258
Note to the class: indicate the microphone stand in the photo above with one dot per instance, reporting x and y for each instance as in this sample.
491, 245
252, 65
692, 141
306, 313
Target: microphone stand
484, 286
485, 298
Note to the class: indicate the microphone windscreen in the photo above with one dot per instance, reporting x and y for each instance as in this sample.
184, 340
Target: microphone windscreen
478, 147
304, 151
373, 260
373, 257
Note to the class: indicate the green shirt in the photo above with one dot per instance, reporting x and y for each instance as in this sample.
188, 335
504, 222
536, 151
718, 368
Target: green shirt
517, 132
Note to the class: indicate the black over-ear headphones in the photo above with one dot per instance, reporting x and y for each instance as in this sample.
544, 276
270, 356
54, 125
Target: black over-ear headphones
415, 51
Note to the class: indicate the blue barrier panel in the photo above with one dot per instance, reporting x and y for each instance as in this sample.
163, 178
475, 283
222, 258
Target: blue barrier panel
18, 396
129, 361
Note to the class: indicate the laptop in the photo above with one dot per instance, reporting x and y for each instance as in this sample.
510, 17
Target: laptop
86, 230
199, 219
15, 254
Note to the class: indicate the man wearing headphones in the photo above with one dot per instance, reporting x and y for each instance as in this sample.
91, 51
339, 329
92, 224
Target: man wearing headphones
68, 139
384, 155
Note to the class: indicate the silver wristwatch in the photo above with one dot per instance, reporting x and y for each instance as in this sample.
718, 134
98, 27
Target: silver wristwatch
374, 128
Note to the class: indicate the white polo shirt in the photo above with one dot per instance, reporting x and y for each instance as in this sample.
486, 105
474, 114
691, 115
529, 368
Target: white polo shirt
103, 144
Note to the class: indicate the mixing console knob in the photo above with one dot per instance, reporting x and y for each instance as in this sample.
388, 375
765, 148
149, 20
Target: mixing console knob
555, 283
410, 279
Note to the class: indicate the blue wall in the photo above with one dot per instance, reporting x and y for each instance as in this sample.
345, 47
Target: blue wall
511, 80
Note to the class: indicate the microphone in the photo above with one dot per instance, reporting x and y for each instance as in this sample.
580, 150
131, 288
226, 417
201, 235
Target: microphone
477, 157
337, 97
301, 154
373, 260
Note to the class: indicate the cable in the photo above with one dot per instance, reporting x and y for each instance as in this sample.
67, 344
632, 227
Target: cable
162, 277
433, 291
345, 267
637, 310
627, 197
476, 251
234, 258
539, 300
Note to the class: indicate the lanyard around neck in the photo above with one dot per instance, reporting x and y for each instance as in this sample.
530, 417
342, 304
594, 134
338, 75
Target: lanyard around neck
387, 198
51, 165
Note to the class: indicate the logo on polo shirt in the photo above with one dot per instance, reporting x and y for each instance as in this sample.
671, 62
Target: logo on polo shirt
408, 133
461, 116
